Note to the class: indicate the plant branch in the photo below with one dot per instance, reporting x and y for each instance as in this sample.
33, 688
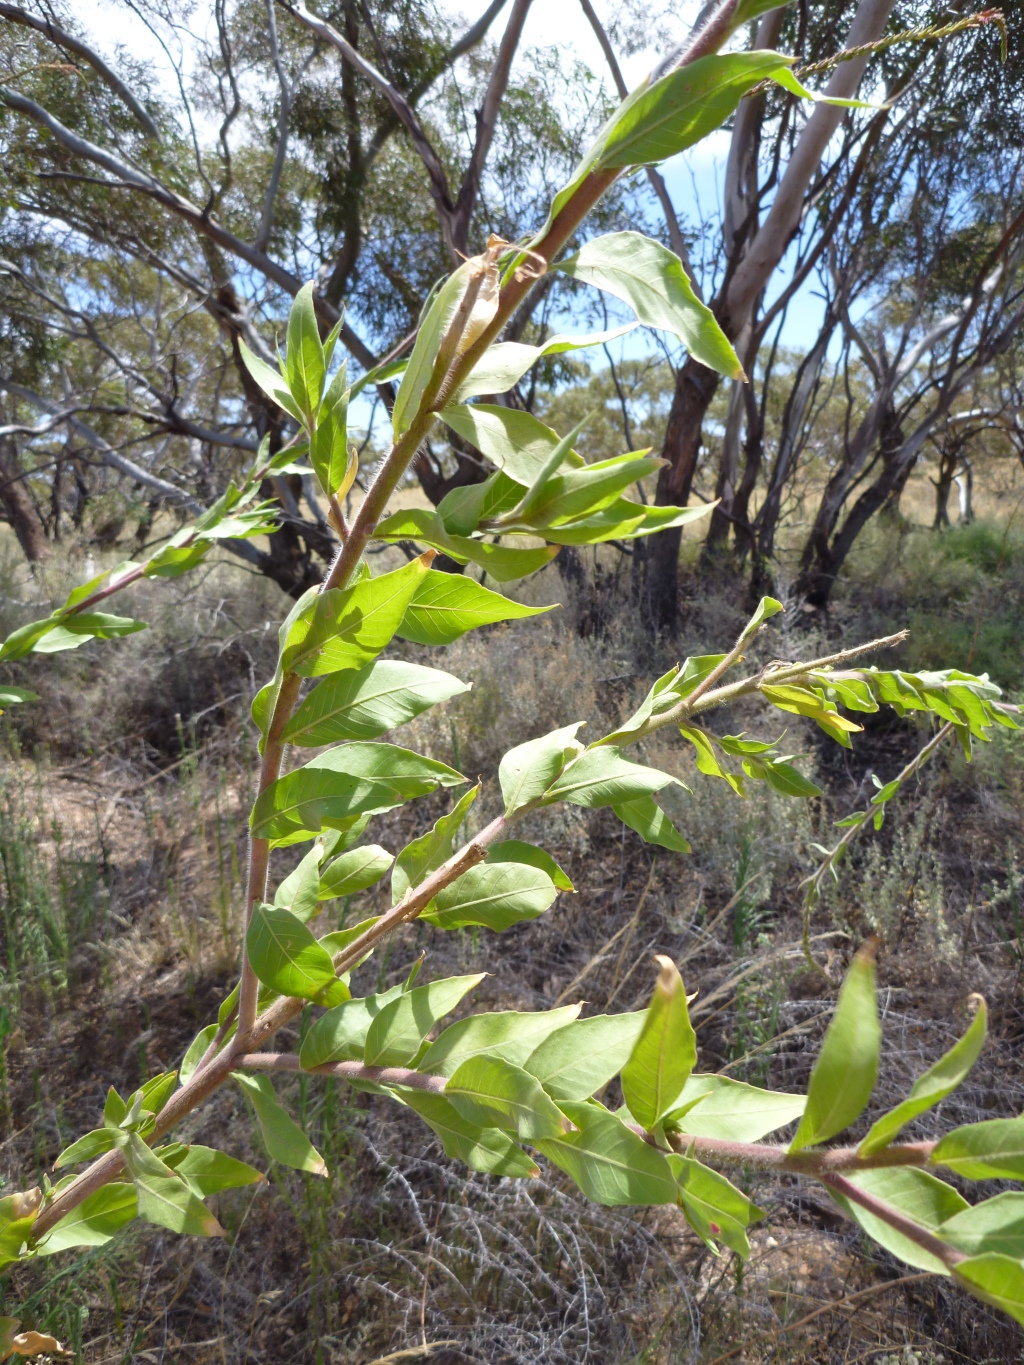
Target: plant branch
897, 1220
344, 1071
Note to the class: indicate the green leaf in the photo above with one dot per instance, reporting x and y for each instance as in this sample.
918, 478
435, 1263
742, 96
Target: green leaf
395, 1034
156, 1091
682, 107
844, 1074
354, 871
340, 1034
363, 703
270, 381
445, 606
353, 780
516, 441
163, 1198
426, 854
652, 824
482, 1149
18, 1213
651, 279
802, 701
346, 627
502, 563
504, 364
508, 1034
665, 1052
284, 954
536, 494
492, 1093
661, 698
576, 1061
528, 770
577, 497
495, 895
12, 696
782, 777
304, 360
993, 1225
604, 777
94, 1221
937, 1082
515, 851
707, 759
86, 1148
207, 1171
299, 892
714, 1207
284, 1139
997, 1279
916, 1194
328, 449
992, 1150
196, 1052
114, 1110
717, 1107
432, 330
608, 1161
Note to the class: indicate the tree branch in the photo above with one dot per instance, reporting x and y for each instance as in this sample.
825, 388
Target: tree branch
67, 40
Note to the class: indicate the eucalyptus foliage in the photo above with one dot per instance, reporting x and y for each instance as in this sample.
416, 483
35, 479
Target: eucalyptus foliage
502, 1090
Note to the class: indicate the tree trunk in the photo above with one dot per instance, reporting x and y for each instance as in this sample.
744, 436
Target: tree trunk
18, 506
728, 477
965, 487
696, 385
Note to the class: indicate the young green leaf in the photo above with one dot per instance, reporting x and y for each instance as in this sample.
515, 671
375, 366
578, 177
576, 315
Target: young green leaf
665, 1052
207, 1171
714, 1207
508, 1034
347, 627
707, 759
576, 1061
87, 1147
482, 1149
604, 777
502, 563
426, 854
918, 1195
328, 448
492, 1093
299, 890
284, 1139
844, 1074
362, 703
651, 279
717, 1107
992, 1150
432, 330
993, 1225
163, 1198
608, 1161
937, 1082
17, 1215
446, 606
516, 441
270, 381
94, 1221
196, 1052
682, 107
304, 359
395, 1034
284, 954
354, 871
997, 1279
505, 363
526, 772
495, 895
515, 851
652, 824
334, 787
340, 1034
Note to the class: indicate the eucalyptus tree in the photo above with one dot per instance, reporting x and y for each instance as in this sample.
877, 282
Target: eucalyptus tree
159, 215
